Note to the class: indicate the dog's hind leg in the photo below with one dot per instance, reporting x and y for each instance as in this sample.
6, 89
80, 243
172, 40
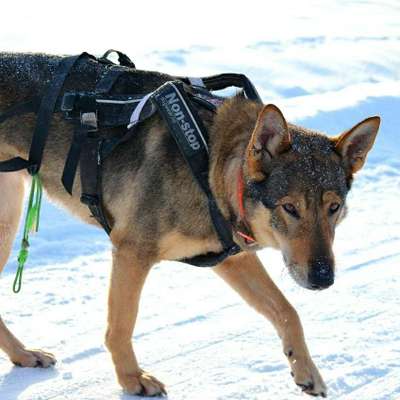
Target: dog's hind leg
127, 279
245, 274
12, 193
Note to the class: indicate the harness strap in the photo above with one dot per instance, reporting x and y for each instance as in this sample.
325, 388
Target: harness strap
222, 81
81, 129
205, 103
109, 79
72, 160
211, 259
91, 173
87, 151
189, 133
44, 116
46, 111
112, 74
123, 59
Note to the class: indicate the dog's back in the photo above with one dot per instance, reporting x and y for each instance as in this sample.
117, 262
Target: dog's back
25, 75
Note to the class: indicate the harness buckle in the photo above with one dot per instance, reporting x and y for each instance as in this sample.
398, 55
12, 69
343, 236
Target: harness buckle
89, 119
232, 251
68, 102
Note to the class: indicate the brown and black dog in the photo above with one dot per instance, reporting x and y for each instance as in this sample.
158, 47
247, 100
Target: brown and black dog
295, 186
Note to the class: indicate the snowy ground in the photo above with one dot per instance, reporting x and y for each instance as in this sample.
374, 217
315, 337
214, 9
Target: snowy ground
336, 65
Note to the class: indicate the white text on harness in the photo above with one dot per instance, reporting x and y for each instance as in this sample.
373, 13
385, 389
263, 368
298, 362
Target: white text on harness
179, 115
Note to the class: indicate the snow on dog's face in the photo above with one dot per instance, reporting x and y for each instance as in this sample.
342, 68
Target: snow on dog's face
298, 181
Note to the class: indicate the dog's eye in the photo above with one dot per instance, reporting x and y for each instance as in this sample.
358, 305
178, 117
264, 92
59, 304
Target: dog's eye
333, 208
291, 210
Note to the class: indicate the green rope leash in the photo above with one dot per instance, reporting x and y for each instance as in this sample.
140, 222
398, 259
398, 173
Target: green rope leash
31, 226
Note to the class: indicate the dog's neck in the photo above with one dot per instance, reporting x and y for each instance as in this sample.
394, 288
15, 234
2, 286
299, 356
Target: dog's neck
229, 137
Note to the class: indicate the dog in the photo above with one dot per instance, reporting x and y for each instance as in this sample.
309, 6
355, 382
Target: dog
295, 183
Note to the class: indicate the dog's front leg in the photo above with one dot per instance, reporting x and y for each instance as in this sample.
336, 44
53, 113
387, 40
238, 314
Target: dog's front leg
127, 279
245, 274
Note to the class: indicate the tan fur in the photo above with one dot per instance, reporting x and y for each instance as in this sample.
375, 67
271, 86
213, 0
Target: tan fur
174, 245
127, 279
261, 228
12, 187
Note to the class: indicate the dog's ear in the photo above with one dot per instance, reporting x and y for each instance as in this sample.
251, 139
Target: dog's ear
355, 144
270, 137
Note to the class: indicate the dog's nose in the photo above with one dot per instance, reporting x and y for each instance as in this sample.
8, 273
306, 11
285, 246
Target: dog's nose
321, 274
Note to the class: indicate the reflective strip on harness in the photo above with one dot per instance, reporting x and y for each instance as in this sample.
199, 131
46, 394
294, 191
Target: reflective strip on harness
135, 117
196, 82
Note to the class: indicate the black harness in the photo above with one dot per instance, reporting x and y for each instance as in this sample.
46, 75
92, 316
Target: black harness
91, 112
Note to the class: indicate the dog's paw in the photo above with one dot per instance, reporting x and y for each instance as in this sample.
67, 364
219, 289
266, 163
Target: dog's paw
307, 376
33, 358
142, 384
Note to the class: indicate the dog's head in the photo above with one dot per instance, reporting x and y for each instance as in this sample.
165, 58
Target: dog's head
297, 182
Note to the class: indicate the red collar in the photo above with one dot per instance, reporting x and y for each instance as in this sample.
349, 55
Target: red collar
249, 240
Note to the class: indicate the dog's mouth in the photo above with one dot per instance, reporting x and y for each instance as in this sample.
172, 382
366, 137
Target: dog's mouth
297, 276
301, 277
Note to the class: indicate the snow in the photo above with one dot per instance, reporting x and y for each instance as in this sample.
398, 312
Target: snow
327, 65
